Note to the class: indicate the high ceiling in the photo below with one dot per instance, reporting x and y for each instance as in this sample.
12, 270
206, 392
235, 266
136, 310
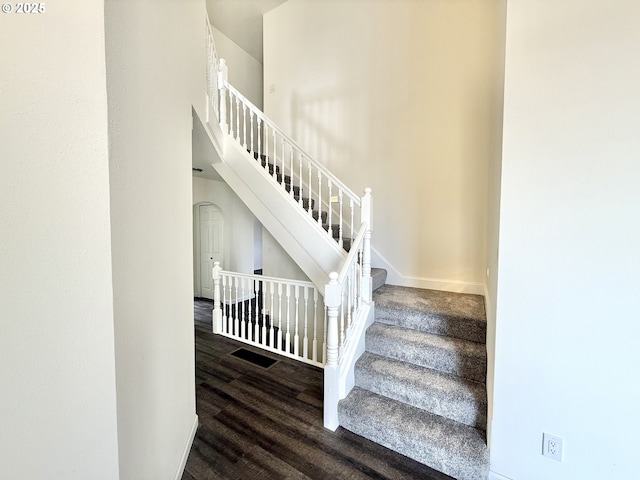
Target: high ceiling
241, 21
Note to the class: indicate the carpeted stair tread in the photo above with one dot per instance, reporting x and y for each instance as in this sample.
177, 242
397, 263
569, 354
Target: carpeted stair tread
378, 278
447, 446
456, 315
445, 354
449, 396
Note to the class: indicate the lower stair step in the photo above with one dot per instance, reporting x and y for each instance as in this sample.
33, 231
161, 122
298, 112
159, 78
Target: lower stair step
447, 446
445, 354
378, 278
462, 400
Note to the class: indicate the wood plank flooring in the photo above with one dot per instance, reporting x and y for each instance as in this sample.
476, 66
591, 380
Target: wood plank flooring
265, 424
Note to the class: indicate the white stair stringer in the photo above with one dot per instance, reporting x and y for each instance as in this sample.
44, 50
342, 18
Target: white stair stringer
303, 239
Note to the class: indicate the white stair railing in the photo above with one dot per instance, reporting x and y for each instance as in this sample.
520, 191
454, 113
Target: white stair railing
288, 317
333, 206
275, 314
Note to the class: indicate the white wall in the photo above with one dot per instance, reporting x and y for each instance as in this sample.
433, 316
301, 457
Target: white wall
155, 73
398, 96
239, 223
277, 262
245, 72
57, 372
493, 208
567, 319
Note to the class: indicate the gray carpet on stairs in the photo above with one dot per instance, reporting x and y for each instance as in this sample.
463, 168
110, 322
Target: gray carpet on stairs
443, 444
378, 278
442, 313
420, 385
457, 398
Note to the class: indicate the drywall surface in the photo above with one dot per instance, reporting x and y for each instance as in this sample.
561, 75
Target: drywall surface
493, 208
396, 96
57, 372
155, 56
239, 223
569, 268
276, 262
245, 72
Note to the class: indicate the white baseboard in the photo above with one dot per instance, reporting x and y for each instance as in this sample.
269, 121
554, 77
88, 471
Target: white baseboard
394, 277
187, 448
497, 476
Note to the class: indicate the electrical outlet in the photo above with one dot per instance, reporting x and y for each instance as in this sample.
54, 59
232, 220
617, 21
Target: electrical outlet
552, 446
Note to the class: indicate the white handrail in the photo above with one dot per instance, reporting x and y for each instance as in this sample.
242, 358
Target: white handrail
294, 144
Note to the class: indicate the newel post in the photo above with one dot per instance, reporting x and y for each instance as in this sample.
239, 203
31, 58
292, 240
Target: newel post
223, 77
332, 297
217, 310
366, 215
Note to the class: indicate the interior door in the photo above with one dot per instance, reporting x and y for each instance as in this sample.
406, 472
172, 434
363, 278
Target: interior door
211, 246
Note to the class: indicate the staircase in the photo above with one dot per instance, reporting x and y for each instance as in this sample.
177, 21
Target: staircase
419, 386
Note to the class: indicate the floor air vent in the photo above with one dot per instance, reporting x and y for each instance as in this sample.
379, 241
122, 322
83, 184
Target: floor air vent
253, 357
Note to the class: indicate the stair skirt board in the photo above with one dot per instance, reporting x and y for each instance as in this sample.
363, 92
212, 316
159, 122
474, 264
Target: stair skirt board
420, 384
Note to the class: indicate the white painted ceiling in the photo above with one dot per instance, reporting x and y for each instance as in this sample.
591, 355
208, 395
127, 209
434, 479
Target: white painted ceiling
241, 21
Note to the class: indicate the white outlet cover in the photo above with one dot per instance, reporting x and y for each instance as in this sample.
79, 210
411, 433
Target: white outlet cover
552, 446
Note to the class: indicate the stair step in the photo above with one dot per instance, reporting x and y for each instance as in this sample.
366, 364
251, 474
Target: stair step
296, 189
449, 355
459, 399
378, 278
447, 446
456, 315
305, 201
324, 216
335, 229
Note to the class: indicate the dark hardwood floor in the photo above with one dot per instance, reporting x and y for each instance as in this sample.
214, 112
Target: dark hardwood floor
258, 423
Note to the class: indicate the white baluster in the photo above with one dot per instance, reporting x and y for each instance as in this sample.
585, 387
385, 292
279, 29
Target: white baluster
236, 323
231, 109
310, 196
244, 125
259, 138
340, 223
296, 337
256, 318
315, 325
225, 308
279, 316
223, 73
305, 340
275, 158
342, 315
217, 311
266, 147
271, 332
237, 119
284, 170
264, 314
351, 206
291, 170
350, 296
251, 122
319, 198
300, 180
288, 334
245, 327
330, 208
